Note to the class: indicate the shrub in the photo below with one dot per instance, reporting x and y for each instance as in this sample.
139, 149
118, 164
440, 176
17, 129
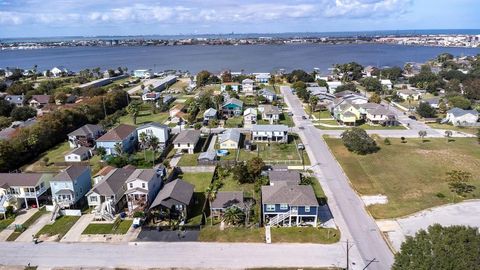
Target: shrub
357, 140
387, 141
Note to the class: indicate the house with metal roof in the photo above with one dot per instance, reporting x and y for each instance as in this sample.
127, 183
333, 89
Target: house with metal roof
107, 197
175, 196
210, 114
289, 205
70, 185
143, 186
187, 140
85, 135
123, 135
270, 133
249, 117
230, 139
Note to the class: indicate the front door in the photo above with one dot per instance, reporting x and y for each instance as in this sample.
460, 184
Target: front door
294, 209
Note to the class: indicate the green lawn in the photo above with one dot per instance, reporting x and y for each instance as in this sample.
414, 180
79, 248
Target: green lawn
454, 128
201, 180
279, 235
145, 116
410, 174
284, 120
27, 223
234, 122
60, 227
4, 223
102, 228
363, 126
195, 211
276, 152
323, 114
188, 160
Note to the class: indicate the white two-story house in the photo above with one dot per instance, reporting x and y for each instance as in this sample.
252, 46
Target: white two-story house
142, 187
153, 129
27, 189
270, 133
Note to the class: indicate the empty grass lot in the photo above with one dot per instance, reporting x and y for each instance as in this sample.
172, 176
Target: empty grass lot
60, 227
276, 152
145, 116
188, 160
200, 180
469, 130
412, 174
101, 228
279, 235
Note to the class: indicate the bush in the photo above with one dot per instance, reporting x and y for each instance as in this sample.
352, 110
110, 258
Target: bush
387, 141
139, 214
357, 140
23, 113
425, 110
307, 181
440, 195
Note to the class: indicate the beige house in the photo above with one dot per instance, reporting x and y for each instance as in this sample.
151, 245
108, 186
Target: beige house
230, 139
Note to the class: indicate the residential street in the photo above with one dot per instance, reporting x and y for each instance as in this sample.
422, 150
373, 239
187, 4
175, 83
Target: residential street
347, 208
171, 255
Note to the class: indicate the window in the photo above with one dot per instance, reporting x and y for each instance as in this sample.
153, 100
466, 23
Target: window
93, 199
307, 208
283, 206
143, 185
131, 185
270, 207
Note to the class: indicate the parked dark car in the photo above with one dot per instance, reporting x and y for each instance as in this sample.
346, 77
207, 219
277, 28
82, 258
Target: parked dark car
304, 117
413, 117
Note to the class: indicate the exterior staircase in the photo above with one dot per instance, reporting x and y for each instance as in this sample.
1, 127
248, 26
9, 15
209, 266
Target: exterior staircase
55, 212
279, 218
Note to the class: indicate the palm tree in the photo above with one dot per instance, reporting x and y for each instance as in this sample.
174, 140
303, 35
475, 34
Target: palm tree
422, 134
313, 103
233, 215
118, 148
133, 109
211, 193
448, 134
154, 145
143, 138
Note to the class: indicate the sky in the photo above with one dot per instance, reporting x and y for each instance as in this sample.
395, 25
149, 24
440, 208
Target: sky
53, 18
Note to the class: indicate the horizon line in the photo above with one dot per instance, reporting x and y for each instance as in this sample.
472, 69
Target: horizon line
244, 33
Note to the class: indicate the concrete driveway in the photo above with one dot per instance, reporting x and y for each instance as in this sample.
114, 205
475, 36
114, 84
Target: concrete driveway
21, 217
26, 236
74, 234
464, 213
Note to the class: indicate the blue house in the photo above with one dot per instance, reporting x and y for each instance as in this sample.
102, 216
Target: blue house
289, 205
232, 107
124, 135
71, 185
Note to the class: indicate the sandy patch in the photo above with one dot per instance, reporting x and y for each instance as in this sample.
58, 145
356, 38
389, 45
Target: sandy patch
374, 199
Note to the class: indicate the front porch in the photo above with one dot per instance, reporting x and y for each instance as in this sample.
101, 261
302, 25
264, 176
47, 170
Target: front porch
137, 201
293, 220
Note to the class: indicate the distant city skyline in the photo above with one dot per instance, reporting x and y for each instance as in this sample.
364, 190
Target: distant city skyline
47, 18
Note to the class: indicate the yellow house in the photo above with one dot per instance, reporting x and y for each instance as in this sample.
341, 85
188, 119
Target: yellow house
348, 114
230, 139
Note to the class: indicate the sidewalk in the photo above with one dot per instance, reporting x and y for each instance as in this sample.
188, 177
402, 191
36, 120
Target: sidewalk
20, 219
26, 236
74, 234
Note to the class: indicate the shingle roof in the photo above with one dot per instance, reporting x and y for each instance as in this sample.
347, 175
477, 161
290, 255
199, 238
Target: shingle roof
230, 134
177, 190
292, 195
118, 133
113, 181
284, 177
381, 111
235, 101
188, 136
210, 112
270, 109
153, 124
277, 128
70, 173
141, 174
86, 130
266, 92
104, 171
20, 179
79, 151
225, 199
42, 99
459, 112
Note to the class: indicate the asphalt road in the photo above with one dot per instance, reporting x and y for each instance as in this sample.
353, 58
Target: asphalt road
347, 208
189, 255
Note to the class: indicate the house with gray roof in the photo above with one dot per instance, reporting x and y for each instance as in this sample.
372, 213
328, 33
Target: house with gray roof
232, 107
207, 157
459, 117
176, 196
224, 200
154, 129
269, 95
210, 114
23, 188
187, 140
289, 205
270, 133
230, 139
15, 99
78, 154
70, 185
285, 178
142, 187
270, 113
109, 193
85, 135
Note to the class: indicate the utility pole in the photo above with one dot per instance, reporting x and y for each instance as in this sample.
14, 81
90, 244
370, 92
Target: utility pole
348, 254
370, 262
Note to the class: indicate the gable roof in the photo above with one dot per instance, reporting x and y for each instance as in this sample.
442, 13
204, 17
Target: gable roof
188, 136
70, 173
230, 134
457, 112
42, 99
210, 112
118, 133
250, 111
381, 111
113, 181
270, 128
79, 151
291, 195
141, 174
86, 130
284, 177
248, 81
225, 199
270, 109
233, 101
15, 99
266, 92
104, 171
177, 190
21, 179
153, 124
